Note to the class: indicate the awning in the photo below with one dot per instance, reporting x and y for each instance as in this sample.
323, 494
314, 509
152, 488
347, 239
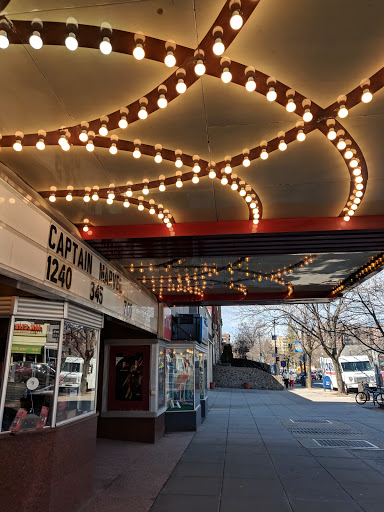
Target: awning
26, 349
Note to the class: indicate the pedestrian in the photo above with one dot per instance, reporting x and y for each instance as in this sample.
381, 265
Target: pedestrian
291, 380
286, 378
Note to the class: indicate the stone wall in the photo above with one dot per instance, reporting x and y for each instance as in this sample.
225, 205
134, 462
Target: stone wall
231, 377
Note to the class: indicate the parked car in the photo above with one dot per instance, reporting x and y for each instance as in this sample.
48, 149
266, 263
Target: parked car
314, 376
24, 370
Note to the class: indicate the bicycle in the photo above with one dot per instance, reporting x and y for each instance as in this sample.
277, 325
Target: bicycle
365, 395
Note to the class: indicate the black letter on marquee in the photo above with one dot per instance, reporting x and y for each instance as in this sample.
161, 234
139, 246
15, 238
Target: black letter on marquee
52, 244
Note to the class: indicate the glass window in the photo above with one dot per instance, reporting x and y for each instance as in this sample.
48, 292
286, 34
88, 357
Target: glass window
161, 386
197, 379
31, 378
78, 372
180, 379
203, 374
357, 366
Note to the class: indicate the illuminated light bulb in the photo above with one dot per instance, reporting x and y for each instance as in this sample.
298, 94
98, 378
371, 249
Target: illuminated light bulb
357, 171
224, 180
271, 94
348, 154
180, 86
353, 162
178, 162
158, 157
212, 174
71, 42
85, 228
228, 168
256, 215
255, 210
236, 20
242, 192
218, 46
179, 183
359, 179
343, 112
90, 146
252, 205
162, 186
35, 40
126, 203
307, 116
123, 123
95, 196
111, 195
351, 212
109, 201
264, 154
256, 221
86, 198
359, 193
136, 153
52, 198
226, 75
4, 42
165, 220
145, 190
366, 96
140, 206
169, 225
357, 200
143, 114
346, 218
152, 211
129, 192
359, 186
196, 168
195, 179
200, 68
250, 84
138, 51
341, 144
301, 136
113, 148
331, 134
83, 136
40, 144
105, 46
248, 199
162, 101
282, 145
354, 207
291, 105
103, 130
160, 215
170, 59
69, 196
234, 185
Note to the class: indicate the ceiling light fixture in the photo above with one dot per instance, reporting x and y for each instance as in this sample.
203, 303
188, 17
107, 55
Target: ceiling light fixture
86, 198
234, 185
342, 112
162, 186
169, 59
341, 144
123, 121
236, 20
195, 179
129, 192
158, 157
356, 171
354, 162
143, 114
35, 40
307, 116
40, 144
140, 206
126, 203
282, 145
301, 135
95, 195
264, 154
242, 192
4, 41
137, 153
138, 51
218, 47
226, 75
179, 183
113, 148
271, 94
212, 174
291, 105
90, 145
52, 197
331, 134
105, 46
71, 42
224, 180
83, 136
200, 67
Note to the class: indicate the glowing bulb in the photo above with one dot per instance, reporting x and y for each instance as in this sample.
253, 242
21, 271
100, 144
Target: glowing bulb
52, 198
162, 186
170, 59
138, 52
271, 94
140, 207
83, 136
178, 162
357, 200
351, 212
253, 205
264, 154
86, 198
354, 207
359, 193
224, 180
366, 96
103, 130
242, 192
169, 224
301, 136
129, 192
353, 162
248, 199
307, 116
162, 101
195, 179
218, 47
236, 20
346, 218
90, 146
196, 168
152, 210
136, 153
255, 221
359, 186
105, 46
250, 84
180, 86
85, 228
113, 148
95, 196
71, 42
246, 161
228, 168
357, 171
359, 179
4, 42
179, 183
109, 201
234, 185
111, 195
199, 68
348, 154
158, 157
143, 114
341, 144
145, 190
123, 123
226, 75
35, 41
126, 203
160, 215
69, 196
331, 134
282, 145
40, 144
212, 174
291, 105
343, 112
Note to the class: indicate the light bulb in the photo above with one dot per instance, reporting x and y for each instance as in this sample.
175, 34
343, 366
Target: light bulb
140, 207
250, 84
199, 68
366, 96
291, 105
86, 198
242, 192
354, 207
162, 186
341, 144
195, 179
162, 101
255, 210
105, 46
180, 86
160, 215
158, 157
282, 145
226, 75
136, 153
71, 42
165, 220
357, 171
307, 116
152, 210
353, 162
143, 114
83, 136
111, 195
357, 200
52, 198
196, 168
169, 224
65, 146
103, 130
90, 146
358, 179
359, 186
129, 192
179, 183
301, 136
359, 193
224, 180
236, 20
234, 185
256, 215
95, 196
62, 140
126, 203
271, 94
351, 212
145, 190
252, 205
348, 154
178, 162
255, 221
40, 144
123, 123
69, 196
343, 112
248, 199
228, 168
4, 42
346, 218
218, 47
113, 148
138, 51
331, 134
170, 59
212, 174
264, 154
246, 161
35, 40
109, 201
85, 228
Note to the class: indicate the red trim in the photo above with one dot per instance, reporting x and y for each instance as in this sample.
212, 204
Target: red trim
235, 227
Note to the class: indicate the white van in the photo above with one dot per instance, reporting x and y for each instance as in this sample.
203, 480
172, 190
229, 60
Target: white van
72, 371
354, 369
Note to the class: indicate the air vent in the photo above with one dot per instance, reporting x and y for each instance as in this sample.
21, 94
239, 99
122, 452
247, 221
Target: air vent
329, 431
309, 420
344, 443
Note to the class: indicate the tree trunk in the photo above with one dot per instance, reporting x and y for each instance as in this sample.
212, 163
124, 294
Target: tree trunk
83, 386
339, 378
309, 370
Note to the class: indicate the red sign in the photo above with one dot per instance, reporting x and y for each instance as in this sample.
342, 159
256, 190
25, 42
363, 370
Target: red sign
28, 327
167, 323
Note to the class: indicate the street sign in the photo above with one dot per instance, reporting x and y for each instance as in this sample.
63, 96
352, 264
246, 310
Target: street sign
283, 363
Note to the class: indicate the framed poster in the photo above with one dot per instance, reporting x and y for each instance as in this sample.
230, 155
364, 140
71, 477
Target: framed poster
128, 382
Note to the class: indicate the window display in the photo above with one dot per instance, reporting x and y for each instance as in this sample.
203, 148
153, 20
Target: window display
161, 377
203, 374
180, 379
4, 322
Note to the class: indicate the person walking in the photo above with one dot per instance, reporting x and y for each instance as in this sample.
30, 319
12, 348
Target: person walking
291, 380
286, 378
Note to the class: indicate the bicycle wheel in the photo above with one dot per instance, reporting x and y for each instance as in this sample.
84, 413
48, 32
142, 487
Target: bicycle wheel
361, 398
380, 399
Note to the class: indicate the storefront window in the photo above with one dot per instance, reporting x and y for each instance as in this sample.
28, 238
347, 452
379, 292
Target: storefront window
161, 379
202, 380
78, 372
4, 322
197, 379
31, 378
180, 379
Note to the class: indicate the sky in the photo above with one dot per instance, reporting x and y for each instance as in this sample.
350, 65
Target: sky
229, 315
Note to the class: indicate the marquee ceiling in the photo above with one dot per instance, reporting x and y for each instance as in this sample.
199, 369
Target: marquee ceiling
319, 56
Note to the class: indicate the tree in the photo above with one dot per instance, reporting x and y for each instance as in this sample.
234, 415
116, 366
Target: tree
227, 355
247, 335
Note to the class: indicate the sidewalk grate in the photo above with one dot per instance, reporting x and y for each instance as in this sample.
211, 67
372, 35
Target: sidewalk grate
309, 420
331, 431
344, 443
